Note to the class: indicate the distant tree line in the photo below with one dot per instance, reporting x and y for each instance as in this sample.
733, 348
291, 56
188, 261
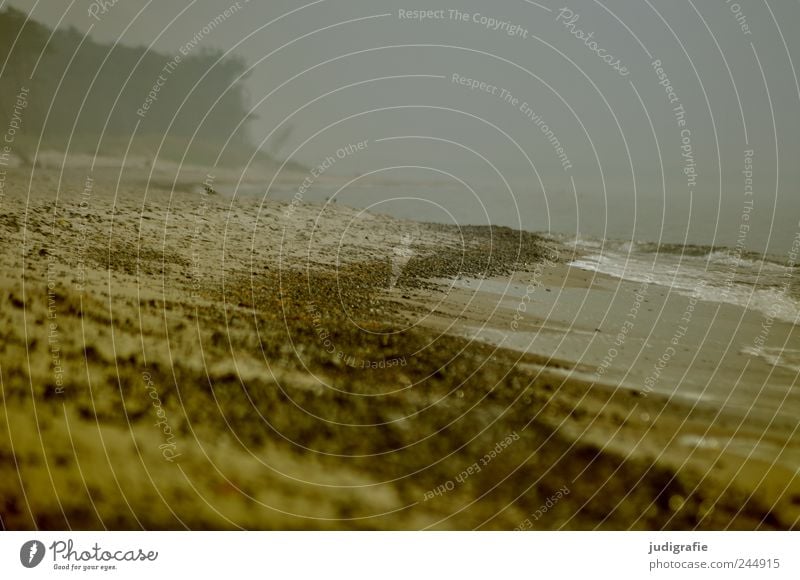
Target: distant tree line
80, 87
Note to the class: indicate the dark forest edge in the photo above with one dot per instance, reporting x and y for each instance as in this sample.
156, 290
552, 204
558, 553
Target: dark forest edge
70, 93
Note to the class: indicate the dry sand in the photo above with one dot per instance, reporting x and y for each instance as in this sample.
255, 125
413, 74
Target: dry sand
171, 359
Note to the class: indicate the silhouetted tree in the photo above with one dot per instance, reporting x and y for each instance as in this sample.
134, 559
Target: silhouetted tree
92, 91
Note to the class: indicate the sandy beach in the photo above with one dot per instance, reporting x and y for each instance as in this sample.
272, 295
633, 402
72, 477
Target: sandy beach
176, 358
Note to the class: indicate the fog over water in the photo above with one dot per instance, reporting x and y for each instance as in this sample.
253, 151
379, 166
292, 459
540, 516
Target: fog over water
654, 120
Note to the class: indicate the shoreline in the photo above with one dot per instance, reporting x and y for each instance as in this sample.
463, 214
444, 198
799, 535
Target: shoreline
694, 416
244, 316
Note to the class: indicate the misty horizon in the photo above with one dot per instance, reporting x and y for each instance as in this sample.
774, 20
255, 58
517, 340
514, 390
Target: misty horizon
318, 77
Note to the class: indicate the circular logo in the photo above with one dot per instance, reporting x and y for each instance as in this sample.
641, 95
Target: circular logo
31, 553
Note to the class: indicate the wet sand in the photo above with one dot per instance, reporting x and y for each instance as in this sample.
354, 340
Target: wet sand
177, 360
687, 393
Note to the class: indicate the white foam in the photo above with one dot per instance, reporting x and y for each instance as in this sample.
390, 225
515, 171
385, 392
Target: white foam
785, 358
755, 285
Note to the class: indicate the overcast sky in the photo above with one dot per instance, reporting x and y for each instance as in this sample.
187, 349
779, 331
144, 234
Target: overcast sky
360, 71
